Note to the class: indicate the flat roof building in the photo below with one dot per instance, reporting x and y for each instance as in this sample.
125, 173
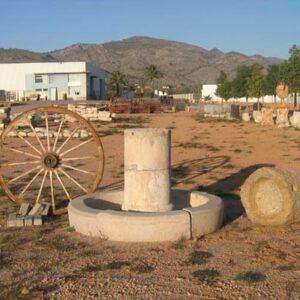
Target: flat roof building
53, 80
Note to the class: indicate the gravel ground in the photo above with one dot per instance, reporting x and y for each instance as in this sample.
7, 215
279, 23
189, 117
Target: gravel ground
240, 261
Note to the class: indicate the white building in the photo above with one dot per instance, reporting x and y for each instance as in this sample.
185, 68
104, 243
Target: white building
53, 80
210, 90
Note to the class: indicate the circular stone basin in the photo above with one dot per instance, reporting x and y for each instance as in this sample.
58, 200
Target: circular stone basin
100, 215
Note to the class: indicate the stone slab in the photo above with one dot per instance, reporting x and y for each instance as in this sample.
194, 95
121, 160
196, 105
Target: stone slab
28, 220
24, 209
267, 116
37, 209
15, 221
37, 220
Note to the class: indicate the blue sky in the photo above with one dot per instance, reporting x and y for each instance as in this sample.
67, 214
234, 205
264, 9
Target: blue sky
266, 27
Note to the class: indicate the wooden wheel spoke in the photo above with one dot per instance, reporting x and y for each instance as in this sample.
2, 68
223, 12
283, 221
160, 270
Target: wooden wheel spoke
30, 182
52, 190
58, 133
23, 152
34, 148
41, 187
20, 163
73, 180
66, 141
47, 131
37, 137
77, 169
24, 174
78, 158
76, 147
62, 184
50, 161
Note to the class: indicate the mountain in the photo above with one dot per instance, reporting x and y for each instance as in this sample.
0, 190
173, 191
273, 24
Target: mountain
181, 63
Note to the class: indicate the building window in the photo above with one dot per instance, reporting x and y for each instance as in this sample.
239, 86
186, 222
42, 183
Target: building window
45, 90
38, 79
38, 90
74, 90
41, 78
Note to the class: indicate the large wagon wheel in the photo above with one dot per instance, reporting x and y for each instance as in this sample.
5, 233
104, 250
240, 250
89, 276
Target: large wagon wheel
50, 154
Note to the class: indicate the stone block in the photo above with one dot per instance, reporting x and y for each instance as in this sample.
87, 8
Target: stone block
84, 133
37, 220
46, 209
282, 119
24, 209
267, 116
246, 117
295, 119
15, 221
28, 220
36, 210
257, 116
271, 196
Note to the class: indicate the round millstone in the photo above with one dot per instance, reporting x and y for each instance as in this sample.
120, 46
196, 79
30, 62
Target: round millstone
271, 196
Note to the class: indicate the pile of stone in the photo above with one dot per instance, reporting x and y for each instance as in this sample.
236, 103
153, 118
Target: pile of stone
269, 116
4, 116
90, 113
28, 216
42, 133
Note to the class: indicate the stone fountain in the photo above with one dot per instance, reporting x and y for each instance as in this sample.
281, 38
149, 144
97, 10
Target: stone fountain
147, 210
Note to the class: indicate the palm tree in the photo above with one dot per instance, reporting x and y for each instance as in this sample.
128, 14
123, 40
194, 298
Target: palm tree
151, 73
117, 80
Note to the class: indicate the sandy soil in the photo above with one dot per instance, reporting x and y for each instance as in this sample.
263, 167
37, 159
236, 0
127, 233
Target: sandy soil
54, 262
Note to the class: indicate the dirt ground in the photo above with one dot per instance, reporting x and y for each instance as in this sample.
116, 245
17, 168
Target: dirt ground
240, 261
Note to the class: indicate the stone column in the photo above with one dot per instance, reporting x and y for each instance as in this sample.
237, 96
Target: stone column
271, 196
147, 170
267, 116
282, 119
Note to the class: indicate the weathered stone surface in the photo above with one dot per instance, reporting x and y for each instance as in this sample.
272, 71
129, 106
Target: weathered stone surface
267, 116
246, 117
24, 209
37, 209
84, 133
147, 170
99, 215
14, 220
28, 221
37, 220
46, 209
282, 119
272, 196
257, 116
295, 119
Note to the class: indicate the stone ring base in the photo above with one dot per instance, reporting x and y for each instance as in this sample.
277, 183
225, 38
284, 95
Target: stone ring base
100, 215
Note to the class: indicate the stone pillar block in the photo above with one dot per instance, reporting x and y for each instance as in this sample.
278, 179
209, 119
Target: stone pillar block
267, 116
282, 119
257, 116
295, 120
147, 170
271, 196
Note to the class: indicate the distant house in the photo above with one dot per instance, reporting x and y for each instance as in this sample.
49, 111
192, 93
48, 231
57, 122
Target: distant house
53, 81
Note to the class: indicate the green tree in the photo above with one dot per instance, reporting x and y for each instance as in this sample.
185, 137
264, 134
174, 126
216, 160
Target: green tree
255, 83
240, 82
271, 80
151, 73
116, 81
290, 71
224, 89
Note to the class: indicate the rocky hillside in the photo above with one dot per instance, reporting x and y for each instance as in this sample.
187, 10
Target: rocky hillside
182, 64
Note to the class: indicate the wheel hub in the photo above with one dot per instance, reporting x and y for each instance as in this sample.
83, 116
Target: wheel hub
51, 161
